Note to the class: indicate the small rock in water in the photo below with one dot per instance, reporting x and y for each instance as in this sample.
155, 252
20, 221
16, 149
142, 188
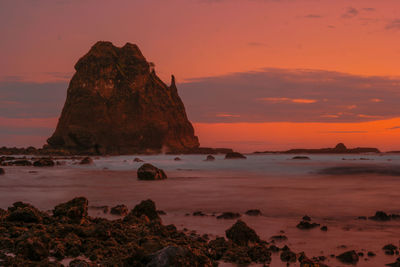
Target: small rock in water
86, 161
147, 208
2, 172
210, 158
349, 257
324, 228
150, 172
198, 213
177, 159
228, 215
138, 160
241, 234
301, 158
307, 218
380, 216
371, 254
279, 238
120, 210
305, 225
234, 155
254, 212
44, 162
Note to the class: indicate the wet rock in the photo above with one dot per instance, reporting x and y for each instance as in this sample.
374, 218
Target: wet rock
210, 158
2, 172
120, 210
305, 225
147, 208
79, 263
229, 215
394, 264
241, 234
198, 213
150, 172
177, 159
349, 257
218, 247
138, 160
371, 254
234, 155
44, 162
288, 256
32, 249
324, 228
301, 158
21, 162
380, 216
74, 210
307, 218
390, 249
23, 212
361, 218
86, 161
254, 212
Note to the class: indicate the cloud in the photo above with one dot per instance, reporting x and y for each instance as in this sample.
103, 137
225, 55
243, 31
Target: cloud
257, 44
394, 128
285, 99
287, 95
351, 12
347, 132
313, 16
225, 115
393, 25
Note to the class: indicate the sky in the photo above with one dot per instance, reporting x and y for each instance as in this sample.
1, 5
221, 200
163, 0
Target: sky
253, 74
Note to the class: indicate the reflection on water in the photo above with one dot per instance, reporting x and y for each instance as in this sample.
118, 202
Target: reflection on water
282, 188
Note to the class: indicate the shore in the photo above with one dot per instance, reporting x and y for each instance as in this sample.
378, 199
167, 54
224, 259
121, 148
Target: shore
284, 190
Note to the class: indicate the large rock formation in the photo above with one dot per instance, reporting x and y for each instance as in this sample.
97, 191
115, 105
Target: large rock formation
116, 104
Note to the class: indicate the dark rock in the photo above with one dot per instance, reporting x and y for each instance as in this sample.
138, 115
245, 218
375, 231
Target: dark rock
288, 256
324, 228
234, 155
380, 216
150, 172
229, 215
110, 81
361, 218
44, 162
279, 238
2, 172
79, 263
147, 208
23, 212
307, 218
390, 249
74, 210
120, 210
394, 264
254, 212
210, 158
198, 213
161, 212
305, 225
301, 158
21, 162
349, 257
177, 159
32, 249
371, 254
138, 160
241, 234
86, 161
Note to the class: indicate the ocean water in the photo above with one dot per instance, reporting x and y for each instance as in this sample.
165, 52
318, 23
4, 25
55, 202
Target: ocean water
282, 188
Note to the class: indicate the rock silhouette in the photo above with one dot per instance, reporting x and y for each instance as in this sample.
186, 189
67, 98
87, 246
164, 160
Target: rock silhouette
116, 104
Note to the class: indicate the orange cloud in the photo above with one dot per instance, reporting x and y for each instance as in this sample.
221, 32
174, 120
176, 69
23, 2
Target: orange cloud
285, 99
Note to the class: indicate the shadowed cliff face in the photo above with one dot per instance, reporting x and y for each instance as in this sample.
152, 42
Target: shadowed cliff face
117, 105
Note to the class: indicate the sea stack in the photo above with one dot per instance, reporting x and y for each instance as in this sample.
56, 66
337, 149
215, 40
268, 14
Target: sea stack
116, 104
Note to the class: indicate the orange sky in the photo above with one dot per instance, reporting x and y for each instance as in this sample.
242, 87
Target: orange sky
42, 40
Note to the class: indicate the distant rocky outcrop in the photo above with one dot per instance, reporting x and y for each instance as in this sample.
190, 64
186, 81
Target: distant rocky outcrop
338, 149
116, 104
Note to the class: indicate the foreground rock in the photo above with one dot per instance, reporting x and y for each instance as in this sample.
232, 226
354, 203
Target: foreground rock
241, 234
349, 257
110, 81
150, 172
234, 155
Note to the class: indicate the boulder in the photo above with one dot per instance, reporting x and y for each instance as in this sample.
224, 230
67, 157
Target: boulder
86, 161
23, 212
75, 210
120, 210
234, 155
44, 162
241, 234
33, 249
116, 104
349, 257
150, 172
147, 208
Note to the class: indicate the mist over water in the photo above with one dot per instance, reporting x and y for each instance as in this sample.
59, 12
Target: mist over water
282, 188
